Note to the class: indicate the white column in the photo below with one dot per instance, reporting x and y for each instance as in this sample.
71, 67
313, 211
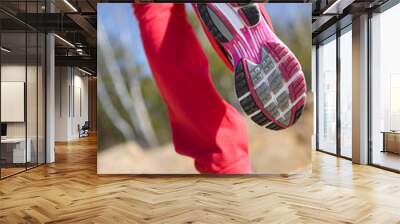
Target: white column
50, 92
50, 99
360, 90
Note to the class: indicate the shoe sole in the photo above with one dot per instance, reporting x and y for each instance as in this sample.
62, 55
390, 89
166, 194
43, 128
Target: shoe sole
269, 82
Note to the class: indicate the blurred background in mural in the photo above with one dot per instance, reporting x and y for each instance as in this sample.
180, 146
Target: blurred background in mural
134, 134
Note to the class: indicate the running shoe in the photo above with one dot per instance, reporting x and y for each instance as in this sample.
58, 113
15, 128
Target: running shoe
269, 81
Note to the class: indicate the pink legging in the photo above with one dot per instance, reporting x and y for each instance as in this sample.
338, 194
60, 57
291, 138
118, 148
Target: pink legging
204, 126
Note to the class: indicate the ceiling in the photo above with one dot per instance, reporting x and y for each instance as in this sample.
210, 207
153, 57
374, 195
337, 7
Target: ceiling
76, 22
330, 15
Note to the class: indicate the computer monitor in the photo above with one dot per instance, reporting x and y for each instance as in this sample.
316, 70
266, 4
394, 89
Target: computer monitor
3, 129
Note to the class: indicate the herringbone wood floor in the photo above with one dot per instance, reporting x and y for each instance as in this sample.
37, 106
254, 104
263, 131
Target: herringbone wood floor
69, 191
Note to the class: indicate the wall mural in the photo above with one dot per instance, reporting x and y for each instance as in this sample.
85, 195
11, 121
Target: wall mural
204, 88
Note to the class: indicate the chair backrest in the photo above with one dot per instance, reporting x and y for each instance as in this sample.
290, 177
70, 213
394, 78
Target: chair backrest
86, 125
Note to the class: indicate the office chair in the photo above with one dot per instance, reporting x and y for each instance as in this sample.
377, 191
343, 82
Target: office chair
84, 130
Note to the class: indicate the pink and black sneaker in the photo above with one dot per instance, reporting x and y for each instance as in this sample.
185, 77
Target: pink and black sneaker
269, 82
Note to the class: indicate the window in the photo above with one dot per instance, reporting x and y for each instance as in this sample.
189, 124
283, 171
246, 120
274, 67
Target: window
385, 89
346, 92
327, 96
335, 137
14, 151
22, 77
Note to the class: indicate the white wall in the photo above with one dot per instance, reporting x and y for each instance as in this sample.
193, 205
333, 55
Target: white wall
33, 126
79, 105
16, 73
62, 81
13, 101
71, 94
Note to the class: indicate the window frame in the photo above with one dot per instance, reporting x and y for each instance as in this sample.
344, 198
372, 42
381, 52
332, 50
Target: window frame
333, 37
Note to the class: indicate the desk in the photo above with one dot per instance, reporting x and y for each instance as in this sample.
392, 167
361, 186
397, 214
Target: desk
15, 148
391, 141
